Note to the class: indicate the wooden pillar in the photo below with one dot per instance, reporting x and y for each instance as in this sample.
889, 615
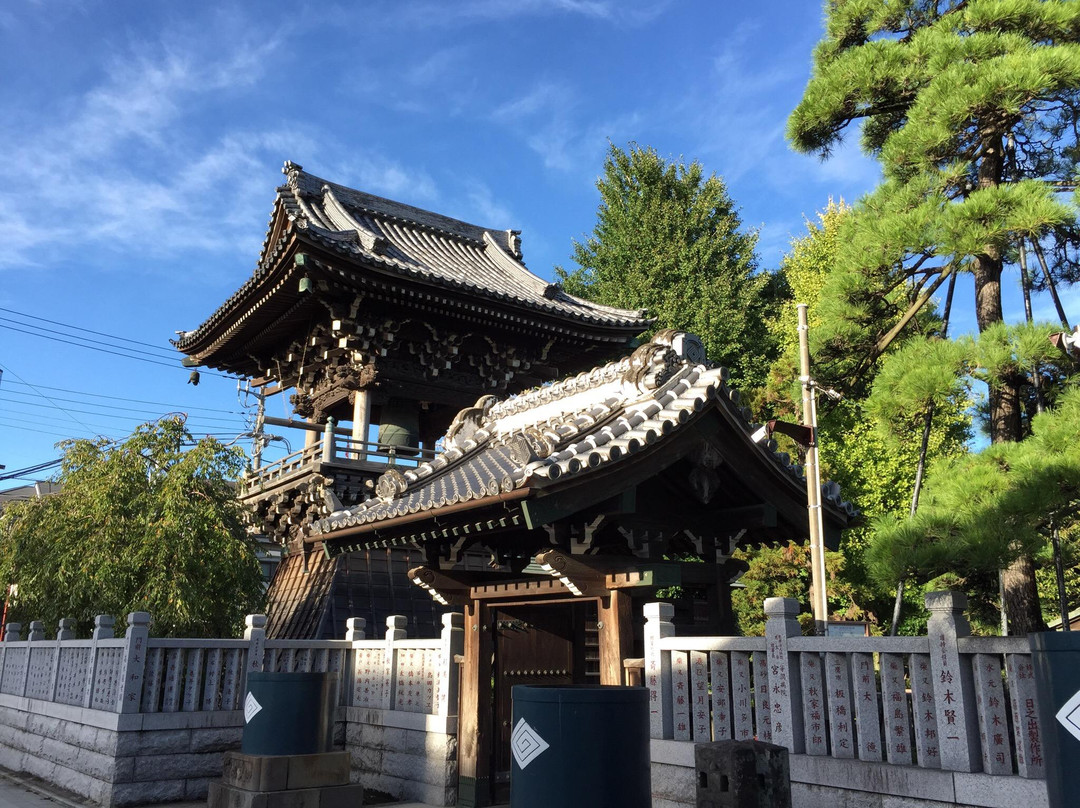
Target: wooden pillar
616, 636
361, 420
310, 435
474, 714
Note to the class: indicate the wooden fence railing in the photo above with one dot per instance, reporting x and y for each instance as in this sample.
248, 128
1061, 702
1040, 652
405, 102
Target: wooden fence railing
142, 674
338, 450
945, 701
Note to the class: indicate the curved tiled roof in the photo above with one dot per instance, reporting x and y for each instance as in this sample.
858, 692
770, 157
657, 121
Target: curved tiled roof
415, 244
580, 425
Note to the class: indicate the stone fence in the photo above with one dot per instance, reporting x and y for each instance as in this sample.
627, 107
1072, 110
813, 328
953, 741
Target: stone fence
946, 719
143, 719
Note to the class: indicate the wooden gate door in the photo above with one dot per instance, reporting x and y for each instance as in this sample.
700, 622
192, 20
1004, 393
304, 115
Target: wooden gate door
535, 644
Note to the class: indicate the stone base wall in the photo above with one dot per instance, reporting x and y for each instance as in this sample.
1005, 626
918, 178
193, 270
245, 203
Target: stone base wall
825, 782
116, 759
409, 755
122, 760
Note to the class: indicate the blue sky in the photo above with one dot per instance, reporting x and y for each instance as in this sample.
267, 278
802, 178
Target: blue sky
143, 142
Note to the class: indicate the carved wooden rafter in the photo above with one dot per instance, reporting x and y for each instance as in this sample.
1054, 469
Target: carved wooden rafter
348, 349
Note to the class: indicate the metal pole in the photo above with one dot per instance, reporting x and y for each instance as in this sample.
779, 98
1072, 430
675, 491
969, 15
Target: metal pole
813, 482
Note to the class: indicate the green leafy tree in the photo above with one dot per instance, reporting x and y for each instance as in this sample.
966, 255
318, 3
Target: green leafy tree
669, 239
150, 524
875, 467
971, 107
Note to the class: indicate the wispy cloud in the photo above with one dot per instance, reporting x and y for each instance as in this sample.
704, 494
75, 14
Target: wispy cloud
119, 167
438, 13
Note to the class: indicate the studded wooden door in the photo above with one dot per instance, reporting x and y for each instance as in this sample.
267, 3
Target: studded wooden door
538, 644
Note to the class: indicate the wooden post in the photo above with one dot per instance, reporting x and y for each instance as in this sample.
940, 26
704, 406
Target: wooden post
616, 636
361, 420
474, 713
328, 441
134, 662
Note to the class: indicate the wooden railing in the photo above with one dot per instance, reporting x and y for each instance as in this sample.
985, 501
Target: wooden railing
338, 450
945, 701
142, 674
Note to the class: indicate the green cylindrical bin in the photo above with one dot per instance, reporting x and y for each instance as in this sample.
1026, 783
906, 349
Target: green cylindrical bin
289, 713
583, 745
1056, 659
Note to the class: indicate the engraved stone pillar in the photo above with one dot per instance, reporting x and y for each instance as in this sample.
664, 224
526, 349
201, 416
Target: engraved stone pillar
134, 662
255, 634
453, 644
813, 682
1024, 704
784, 678
395, 630
658, 668
841, 704
954, 690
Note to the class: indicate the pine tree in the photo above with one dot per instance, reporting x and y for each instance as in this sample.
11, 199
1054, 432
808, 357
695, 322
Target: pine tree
971, 107
669, 239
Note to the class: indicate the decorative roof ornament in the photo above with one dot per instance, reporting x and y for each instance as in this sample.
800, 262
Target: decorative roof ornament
468, 422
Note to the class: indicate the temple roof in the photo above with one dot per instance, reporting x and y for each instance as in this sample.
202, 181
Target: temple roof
397, 241
666, 394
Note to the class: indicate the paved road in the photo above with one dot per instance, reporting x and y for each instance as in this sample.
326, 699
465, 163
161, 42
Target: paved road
19, 792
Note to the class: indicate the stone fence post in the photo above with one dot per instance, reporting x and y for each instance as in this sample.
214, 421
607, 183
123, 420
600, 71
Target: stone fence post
65, 631
12, 632
453, 643
354, 629
255, 634
395, 630
103, 630
781, 622
658, 668
36, 634
954, 687
133, 663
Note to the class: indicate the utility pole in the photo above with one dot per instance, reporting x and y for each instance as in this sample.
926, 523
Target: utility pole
819, 599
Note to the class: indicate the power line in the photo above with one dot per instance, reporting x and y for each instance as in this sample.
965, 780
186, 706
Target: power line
91, 347
72, 417
87, 330
134, 400
84, 339
12, 475
4, 397
44, 431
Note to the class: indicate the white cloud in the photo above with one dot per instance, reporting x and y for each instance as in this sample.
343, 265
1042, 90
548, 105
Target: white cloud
119, 168
465, 12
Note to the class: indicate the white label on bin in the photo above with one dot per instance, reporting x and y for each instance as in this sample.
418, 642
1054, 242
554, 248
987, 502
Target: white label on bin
1069, 715
251, 708
526, 744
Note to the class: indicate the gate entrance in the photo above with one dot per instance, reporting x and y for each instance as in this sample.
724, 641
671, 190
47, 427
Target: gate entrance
538, 644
